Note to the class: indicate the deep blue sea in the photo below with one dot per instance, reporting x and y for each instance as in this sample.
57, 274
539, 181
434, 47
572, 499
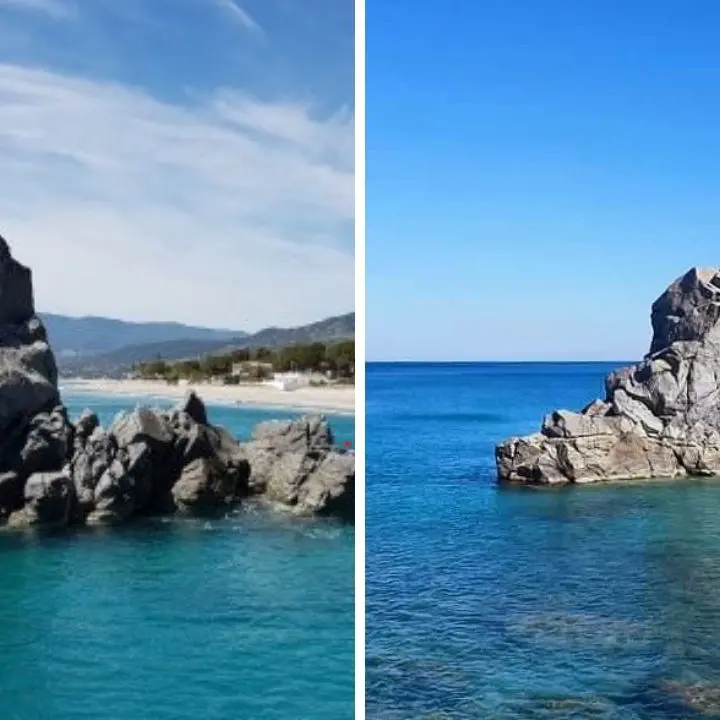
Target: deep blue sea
247, 617
485, 602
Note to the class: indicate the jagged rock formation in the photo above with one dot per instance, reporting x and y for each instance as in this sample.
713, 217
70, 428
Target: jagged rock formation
35, 434
148, 461
293, 463
659, 419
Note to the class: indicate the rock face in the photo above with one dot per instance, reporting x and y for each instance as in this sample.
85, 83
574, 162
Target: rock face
148, 461
35, 435
294, 463
659, 418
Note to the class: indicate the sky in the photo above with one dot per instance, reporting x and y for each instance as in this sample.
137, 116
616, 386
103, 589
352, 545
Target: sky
186, 160
537, 173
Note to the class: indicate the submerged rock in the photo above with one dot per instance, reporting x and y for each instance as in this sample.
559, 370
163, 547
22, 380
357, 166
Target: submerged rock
659, 418
701, 698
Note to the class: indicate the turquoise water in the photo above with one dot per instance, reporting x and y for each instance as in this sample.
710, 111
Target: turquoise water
488, 602
247, 617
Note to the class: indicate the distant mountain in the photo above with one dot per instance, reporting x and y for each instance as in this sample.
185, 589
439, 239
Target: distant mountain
339, 327
113, 363
87, 336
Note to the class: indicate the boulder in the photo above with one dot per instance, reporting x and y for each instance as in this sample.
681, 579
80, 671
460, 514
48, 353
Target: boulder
314, 484
48, 444
27, 383
155, 462
143, 424
277, 438
307, 432
48, 499
86, 424
204, 485
294, 463
660, 418
688, 310
330, 487
115, 497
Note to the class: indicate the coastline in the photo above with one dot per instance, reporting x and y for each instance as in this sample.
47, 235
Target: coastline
337, 399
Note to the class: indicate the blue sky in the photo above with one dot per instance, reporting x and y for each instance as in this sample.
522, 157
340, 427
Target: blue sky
538, 172
180, 160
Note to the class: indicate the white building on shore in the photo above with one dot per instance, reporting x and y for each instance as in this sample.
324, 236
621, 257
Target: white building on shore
289, 381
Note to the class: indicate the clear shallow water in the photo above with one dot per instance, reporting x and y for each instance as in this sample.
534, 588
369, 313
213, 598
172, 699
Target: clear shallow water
247, 617
482, 602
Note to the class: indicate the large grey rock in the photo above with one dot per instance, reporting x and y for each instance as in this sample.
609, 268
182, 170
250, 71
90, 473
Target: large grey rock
540, 460
143, 424
307, 432
314, 484
86, 424
28, 374
155, 462
193, 442
48, 444
659, 418
28, 380
688, 310
275, 439
330, 487
93, 452
48, 499
293, 463
115, 495
204, 485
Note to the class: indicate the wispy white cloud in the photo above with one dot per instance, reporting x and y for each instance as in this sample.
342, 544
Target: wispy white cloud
240, 15
54, 8
228, 211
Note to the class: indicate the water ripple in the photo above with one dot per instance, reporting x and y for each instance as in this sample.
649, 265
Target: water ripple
501, 603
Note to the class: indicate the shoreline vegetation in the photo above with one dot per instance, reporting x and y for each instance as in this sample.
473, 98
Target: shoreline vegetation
312, 376
317, 376
321, 364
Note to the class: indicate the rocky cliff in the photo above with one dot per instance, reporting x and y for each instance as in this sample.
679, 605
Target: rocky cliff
56, 472
658, 419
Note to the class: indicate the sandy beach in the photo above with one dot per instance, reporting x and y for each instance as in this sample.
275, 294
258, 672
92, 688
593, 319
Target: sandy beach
333, 399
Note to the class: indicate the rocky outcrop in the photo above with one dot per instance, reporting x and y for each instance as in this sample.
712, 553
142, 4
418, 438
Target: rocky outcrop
147, 461
35, 434
153, 462
293, 463
659, 418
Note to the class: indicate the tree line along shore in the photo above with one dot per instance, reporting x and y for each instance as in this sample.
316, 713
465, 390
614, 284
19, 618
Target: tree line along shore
325, 362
